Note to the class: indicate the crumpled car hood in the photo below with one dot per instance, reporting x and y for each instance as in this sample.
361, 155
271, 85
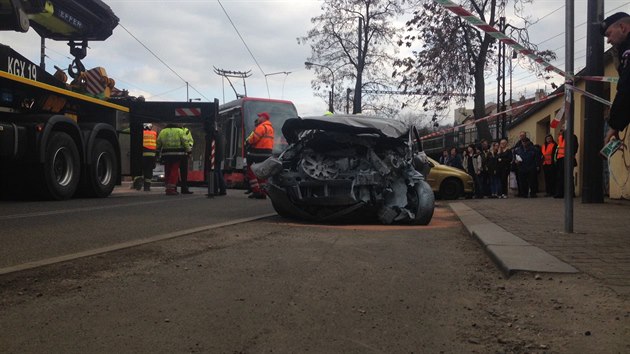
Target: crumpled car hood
351, 124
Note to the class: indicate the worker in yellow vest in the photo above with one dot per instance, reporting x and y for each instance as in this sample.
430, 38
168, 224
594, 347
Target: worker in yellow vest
149, 147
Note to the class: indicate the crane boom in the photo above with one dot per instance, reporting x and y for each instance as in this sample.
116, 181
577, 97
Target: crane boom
71, 20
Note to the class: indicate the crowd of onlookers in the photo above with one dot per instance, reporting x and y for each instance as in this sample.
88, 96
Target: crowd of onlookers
495, 166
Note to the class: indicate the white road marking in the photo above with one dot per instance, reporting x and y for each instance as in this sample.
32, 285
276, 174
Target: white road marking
128, 244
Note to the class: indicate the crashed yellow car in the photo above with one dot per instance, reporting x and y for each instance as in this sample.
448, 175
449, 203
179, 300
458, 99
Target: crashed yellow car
449, 182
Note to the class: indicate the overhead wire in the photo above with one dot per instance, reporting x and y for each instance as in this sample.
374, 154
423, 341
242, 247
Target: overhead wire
162, 61
246, 47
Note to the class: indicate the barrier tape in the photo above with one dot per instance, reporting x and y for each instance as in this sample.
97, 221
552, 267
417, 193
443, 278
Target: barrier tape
590, 95
614, 80
475, 21
442, 132
490, 30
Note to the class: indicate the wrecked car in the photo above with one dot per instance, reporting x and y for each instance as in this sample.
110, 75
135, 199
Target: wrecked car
349, 168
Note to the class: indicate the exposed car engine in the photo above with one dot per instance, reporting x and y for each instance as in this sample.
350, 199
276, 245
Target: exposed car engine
349, 169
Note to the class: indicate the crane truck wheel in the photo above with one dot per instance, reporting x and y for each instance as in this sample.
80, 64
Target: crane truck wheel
99, 177
62, 166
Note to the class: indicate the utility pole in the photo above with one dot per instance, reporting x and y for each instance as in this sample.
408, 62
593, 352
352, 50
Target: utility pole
569, 148
356, 104
500, 78
348, 90
593, 181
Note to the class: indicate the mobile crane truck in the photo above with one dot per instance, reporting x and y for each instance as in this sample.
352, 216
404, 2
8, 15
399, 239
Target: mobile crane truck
63, 139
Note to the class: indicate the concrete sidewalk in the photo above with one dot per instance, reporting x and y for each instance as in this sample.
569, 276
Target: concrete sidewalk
522, 232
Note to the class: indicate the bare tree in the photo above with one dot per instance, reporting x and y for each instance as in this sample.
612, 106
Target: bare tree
355, 40
450, 57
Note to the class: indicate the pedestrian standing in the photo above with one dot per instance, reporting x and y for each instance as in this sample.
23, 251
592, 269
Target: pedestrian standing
492, 168
617, 28
527, 164
249, 160
219, 143
183, 166
549, 169
172, 144
516, 150
455, 159
444, 157
504, 163
261, 147
149, 147
559, 162
472, 164
484, 175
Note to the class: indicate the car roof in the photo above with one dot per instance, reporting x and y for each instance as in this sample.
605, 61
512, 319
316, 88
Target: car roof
354, 124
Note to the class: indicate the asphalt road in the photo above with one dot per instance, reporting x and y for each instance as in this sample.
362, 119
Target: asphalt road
35, 230
269, 285
274, 285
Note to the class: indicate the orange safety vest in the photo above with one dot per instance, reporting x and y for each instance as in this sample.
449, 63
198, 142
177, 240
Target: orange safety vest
548, 153
149, 143
560, 150
262, 137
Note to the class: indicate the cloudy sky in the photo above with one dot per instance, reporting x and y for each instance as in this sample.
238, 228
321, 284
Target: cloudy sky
193, 36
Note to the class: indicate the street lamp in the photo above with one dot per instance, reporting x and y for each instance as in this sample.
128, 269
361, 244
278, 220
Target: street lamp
332, 86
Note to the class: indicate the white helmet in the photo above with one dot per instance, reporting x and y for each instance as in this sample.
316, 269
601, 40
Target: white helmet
148, 126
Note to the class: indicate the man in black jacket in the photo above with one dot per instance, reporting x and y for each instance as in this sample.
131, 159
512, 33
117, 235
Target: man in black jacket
616, 28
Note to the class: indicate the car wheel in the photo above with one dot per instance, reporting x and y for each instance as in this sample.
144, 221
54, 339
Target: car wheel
451, 189
421, 201
281, 210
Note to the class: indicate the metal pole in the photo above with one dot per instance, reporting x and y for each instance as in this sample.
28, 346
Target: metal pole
500, 75
332, 93
348, 100
569, 148
330, 102
42, 62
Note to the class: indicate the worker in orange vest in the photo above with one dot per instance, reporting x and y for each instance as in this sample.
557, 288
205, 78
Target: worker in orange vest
559, 162
260, 147
149, 147
549, 169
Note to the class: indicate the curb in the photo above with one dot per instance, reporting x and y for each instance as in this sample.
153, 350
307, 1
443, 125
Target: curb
509, 252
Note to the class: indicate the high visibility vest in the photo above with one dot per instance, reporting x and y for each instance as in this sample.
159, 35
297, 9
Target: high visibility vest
262, 137
548, 153
560, 149
149, 143
173, 141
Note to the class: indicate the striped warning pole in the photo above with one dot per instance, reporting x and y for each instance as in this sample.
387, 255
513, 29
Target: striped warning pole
211, 169
212, 155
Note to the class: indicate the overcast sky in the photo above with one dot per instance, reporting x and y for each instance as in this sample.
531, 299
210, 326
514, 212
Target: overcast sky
193, 36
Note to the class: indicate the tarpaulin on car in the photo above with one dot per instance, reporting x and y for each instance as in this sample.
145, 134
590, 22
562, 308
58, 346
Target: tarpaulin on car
351, 124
